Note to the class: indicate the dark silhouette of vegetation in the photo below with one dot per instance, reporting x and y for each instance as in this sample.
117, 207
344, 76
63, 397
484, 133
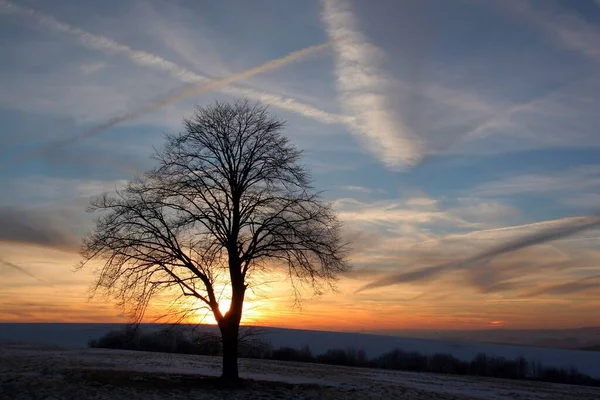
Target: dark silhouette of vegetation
595, 347
175, 339
253, 345
227, 199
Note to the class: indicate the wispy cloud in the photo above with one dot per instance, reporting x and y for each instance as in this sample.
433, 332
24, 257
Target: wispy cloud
51, 191
579, 178
453, 97
589, 200
491, 234
414, 210
560, 115
506, 119
166, 100
571, 31
150, 60
90, 68
102, 43
553, 232
363, 87
590, 283
21, 225
361, 189
21, 270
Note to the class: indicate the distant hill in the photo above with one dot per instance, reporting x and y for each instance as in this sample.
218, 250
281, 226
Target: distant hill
579, 338
591, 348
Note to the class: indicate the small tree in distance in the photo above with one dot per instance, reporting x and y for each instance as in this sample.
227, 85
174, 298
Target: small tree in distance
226, 200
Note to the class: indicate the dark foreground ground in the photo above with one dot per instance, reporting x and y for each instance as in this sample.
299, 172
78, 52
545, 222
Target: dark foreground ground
33, 372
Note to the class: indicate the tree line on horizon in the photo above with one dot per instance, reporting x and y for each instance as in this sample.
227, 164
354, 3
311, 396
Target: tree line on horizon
252, 345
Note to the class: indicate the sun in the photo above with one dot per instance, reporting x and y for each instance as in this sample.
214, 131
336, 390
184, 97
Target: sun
250, 312
224, 306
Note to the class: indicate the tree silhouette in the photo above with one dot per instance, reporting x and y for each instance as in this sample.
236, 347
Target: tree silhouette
227, 199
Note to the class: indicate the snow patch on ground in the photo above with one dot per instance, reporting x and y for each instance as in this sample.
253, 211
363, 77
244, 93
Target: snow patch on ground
78, 335
36, 372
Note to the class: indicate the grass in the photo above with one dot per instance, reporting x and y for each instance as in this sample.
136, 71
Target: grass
166, 381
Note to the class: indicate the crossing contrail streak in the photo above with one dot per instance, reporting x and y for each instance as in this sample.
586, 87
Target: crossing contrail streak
22, 270
570, 228
149, 60
161, 102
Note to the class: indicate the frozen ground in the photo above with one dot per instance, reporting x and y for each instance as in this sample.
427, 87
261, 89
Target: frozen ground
77, 335
44, 372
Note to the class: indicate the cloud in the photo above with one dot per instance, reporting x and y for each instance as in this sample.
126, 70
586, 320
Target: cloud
21, 270
486, 212
507, 119
90, 68
354, 188
149, 60
166, 100
421, 201
578, 178
127, 161
498, 233
584, 200
406, 232
549, 233
530, 268
562, 98
53, 307
571, 31
581, 285
21, 225
361, 189
53, 191
455, 98
422, 216
102, 43
388, 212
363, 87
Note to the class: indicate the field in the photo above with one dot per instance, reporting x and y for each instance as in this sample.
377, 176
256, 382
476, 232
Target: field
77, 335
41, 372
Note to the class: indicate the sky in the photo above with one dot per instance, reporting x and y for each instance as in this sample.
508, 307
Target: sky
457, 141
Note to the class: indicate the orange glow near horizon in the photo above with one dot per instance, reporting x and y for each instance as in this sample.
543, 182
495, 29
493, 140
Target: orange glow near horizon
312, 316
250, 313
63, 296
457, 178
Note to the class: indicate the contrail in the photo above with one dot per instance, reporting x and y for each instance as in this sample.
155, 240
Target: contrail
570, 228
525, 106
22, 270
364, 90
149, 60
161, 102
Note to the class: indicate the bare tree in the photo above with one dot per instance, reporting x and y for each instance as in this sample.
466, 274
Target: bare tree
227, 199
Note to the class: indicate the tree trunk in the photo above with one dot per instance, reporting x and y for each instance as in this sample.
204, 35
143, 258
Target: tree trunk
230, 328
230, 323
229, 333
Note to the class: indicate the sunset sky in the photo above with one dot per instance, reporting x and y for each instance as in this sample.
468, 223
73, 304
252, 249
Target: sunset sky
438, 129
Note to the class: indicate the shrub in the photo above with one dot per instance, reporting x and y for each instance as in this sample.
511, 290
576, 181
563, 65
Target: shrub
125, 339
447, 364
398, 359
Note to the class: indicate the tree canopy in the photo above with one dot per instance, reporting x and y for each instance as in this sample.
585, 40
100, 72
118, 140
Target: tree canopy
228, 198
